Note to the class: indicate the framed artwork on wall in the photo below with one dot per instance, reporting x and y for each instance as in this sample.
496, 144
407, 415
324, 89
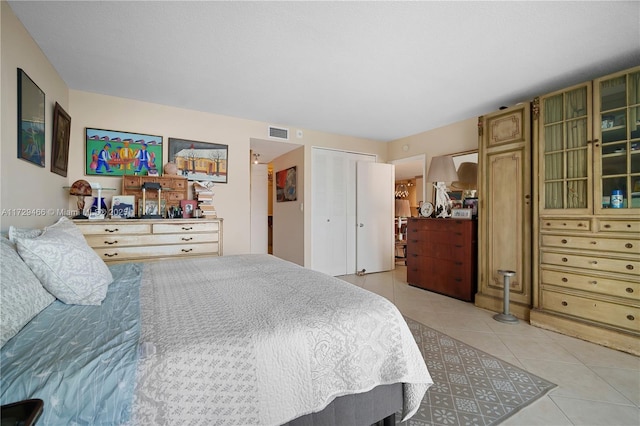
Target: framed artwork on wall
201, 161
31, 100
60, 141
286, 182
115, 153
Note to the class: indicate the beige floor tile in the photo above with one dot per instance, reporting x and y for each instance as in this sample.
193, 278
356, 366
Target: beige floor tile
543, 412
594, 413
627, 382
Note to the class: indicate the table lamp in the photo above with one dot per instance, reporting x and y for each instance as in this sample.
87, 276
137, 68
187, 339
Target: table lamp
80, 188
442, 170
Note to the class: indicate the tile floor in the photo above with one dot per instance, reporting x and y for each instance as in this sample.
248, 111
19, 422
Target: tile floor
596, 385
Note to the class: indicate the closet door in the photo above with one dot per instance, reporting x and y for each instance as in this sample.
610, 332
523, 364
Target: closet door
333, 215
505, 209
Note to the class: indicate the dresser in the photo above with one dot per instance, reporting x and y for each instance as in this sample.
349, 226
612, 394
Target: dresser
135, 240
442, 256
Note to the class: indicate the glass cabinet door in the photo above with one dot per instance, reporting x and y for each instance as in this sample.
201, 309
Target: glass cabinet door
565, 152
617, 159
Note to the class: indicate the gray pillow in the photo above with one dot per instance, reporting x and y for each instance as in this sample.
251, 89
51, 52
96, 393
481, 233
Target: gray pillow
22, 296
65, 264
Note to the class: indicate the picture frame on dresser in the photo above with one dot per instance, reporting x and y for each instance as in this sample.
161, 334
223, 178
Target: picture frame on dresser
188, 207
123, 206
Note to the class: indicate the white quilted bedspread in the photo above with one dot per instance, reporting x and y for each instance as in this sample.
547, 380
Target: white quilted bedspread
254, 340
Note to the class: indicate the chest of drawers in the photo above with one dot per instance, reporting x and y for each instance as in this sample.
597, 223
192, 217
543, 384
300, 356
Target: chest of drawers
135, 240
442, 256
590, 280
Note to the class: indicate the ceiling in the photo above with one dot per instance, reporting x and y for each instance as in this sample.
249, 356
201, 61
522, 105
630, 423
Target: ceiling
376, 70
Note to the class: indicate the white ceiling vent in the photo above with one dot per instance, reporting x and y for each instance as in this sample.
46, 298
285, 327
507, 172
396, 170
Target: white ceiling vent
278, 133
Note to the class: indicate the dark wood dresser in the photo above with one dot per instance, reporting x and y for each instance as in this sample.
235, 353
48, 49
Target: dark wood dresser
442, 256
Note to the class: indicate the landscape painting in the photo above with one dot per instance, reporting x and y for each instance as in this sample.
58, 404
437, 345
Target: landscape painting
201, 161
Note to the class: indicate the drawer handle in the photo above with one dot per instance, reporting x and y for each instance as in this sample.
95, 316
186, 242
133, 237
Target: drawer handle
564, 303
593, 262
184, 228
628, 245
629, 290
593, 242
187, 250
187, 239
458, 263
111, 230
564, 259
458, 279
630, 267
580, 225
548, 223
565, 280
607, 226
564, 224
563, 241
458, 233
593, 282
458, 245
111, 255
630, 317
111, 242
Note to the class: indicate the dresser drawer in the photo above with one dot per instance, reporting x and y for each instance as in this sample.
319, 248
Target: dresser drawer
135, 253
607, 225
115, 228
621, 245
593, 263
97, 241
592, 309
600, 285
181, 228
566, 224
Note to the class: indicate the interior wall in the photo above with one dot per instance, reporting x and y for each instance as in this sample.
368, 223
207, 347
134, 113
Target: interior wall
451, 139
288, 216
30, 195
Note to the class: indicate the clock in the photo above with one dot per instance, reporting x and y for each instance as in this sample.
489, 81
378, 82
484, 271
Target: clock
426, 209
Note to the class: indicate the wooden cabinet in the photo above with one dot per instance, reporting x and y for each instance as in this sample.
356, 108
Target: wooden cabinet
135, 240
505, 209
174, 189
442, 256
587, 145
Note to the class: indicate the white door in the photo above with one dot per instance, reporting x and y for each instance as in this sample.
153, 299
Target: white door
333, 215
375, 210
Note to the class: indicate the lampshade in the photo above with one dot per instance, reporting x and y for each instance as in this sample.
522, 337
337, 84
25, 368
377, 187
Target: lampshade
442, 169
80, 187
467, 176
403, 209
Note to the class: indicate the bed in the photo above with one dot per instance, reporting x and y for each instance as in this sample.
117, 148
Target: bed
233, 340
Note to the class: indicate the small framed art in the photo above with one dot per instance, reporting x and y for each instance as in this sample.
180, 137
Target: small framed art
123, 206
31, 145
188, 207
60, 141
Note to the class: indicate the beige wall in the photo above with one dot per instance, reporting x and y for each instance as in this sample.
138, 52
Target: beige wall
288, 216
29, 194
451, 139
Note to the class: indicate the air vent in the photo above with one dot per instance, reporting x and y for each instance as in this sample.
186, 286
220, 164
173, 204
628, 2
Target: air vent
278, 133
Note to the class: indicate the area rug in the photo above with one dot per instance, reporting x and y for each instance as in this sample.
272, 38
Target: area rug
470, 387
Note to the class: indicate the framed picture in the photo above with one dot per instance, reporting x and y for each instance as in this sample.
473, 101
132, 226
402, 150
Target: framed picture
286, 181
60, 141
123, 206
461, 213
114, 153
188, 207
471, 204
201, 161
31, 145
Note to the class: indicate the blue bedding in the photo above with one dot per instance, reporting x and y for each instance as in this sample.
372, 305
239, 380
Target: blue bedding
52, 357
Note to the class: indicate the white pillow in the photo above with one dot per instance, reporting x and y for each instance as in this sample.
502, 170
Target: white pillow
15, 233
22, 296
66, 265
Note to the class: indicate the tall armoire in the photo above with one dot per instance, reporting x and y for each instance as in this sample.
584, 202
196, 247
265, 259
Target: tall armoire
505, 208
587, 174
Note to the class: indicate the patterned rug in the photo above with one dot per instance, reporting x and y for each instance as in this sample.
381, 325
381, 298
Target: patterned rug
470, 387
